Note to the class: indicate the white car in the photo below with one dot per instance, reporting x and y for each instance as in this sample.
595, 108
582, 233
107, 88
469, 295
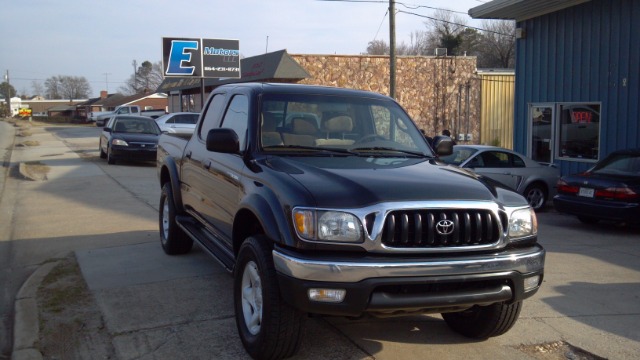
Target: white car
533, 180
178, 122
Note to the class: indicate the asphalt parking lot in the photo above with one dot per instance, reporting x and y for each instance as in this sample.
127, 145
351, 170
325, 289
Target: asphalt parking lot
155, 306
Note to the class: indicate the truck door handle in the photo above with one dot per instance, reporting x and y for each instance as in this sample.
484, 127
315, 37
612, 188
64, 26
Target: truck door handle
188, 154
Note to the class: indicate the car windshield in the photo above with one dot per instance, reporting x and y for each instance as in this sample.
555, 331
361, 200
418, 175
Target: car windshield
460, 154
621, 164
135, 126
351, 125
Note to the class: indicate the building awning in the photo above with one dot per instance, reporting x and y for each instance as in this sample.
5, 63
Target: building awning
274, 66
520, 9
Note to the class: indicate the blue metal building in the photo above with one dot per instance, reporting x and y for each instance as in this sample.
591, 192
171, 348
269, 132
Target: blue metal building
577, 89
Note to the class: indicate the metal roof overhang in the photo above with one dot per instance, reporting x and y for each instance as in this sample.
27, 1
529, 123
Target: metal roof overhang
274, 66
520, 9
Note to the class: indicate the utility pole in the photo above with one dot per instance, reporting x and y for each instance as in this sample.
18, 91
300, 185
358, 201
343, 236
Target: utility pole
392, 49
135, 76
106, 80
8, 94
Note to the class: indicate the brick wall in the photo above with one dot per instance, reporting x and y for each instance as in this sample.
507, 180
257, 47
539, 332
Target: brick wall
438, 92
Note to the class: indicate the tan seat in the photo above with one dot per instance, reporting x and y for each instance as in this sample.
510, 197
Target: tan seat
334, 130
269, 133
304, 132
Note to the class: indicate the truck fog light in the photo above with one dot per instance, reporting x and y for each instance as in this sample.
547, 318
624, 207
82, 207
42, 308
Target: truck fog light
327, 295
531, 282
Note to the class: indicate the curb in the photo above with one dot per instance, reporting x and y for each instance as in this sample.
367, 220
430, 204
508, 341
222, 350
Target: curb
26, 330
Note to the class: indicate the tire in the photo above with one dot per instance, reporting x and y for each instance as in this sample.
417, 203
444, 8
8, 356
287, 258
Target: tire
268, 327
481, 322
103, 155
536, 196
174, 241
588, 220
110, 159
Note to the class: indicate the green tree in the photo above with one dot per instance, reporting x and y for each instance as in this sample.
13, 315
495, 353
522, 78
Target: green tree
147, 78
7, 90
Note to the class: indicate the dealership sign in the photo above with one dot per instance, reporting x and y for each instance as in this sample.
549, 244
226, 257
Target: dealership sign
203, 58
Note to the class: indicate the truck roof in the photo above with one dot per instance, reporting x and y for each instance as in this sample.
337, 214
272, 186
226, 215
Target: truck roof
279, 88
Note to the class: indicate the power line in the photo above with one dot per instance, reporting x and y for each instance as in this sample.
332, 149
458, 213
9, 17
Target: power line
454, 23
382, 22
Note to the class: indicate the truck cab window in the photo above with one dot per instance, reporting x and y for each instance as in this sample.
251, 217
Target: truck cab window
211, 117
237, 118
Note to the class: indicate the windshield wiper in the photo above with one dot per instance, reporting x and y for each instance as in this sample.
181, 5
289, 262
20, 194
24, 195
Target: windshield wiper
381, 149
312, 148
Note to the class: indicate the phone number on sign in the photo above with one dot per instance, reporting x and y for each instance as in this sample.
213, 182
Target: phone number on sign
209, 68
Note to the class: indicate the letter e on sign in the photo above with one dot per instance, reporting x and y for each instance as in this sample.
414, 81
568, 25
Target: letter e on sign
181, 57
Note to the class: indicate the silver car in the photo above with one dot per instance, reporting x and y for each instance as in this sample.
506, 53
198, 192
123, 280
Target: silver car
535, 181
178, 122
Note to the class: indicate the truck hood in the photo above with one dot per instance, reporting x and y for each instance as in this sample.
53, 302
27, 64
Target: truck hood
362, 181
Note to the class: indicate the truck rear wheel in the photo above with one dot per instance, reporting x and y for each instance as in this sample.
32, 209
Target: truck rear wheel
174, 241
268, 327
483, 322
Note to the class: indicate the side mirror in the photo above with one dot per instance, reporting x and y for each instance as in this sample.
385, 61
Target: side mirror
223, 140
443, 145
107, 129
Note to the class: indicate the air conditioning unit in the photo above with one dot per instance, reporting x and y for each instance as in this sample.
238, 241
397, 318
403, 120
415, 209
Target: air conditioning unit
441, 51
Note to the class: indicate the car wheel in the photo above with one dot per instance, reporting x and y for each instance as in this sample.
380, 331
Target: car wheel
110, 159
269, 328
481, 322
588, 220
536, 196
173, 239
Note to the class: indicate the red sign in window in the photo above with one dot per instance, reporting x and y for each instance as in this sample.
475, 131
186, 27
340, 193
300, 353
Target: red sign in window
581, 117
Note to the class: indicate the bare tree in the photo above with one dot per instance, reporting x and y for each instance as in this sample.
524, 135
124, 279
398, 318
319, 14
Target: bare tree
147, 78
498, 44
445, 30
67, 87
52, 86
37, 88
378, 47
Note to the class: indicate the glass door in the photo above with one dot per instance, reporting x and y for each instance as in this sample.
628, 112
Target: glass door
541, 132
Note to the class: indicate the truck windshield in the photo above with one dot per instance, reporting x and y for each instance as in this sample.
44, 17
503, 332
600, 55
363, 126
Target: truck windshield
348, 123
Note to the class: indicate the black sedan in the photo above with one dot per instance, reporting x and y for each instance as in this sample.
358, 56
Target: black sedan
128, 137
608, 191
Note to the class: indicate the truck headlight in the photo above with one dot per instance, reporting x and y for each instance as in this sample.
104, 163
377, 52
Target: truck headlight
119, 142
522, 223
327, 225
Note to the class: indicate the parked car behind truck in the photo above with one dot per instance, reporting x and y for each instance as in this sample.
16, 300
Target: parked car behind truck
103, 118
346, 212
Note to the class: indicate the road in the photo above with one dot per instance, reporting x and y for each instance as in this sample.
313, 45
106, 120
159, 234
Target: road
178, 305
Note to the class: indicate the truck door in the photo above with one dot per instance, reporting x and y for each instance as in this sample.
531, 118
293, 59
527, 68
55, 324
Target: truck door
193, 175
225, 171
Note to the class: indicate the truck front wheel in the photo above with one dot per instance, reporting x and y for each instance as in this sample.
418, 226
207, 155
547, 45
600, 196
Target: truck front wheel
174, 241
268, 327
483, 322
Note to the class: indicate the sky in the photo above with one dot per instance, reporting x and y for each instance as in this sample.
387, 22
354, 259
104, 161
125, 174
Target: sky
100, 40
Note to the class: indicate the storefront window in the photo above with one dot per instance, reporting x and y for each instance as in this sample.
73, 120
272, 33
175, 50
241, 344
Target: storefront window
578, 131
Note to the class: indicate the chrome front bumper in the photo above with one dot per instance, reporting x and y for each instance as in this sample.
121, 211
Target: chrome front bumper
524, 261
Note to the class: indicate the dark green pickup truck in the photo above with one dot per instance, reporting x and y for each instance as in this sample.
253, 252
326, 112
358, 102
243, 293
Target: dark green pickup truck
329, 201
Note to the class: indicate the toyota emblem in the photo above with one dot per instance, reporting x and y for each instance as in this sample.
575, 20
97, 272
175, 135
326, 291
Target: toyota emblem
444, 227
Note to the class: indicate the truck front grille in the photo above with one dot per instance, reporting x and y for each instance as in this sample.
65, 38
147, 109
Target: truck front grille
440, 228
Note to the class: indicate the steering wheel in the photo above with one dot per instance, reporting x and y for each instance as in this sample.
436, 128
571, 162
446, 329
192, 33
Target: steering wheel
370, 138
